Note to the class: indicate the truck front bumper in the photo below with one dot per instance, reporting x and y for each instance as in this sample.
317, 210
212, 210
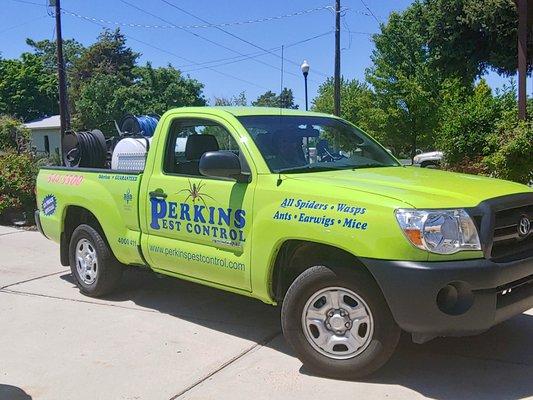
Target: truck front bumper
453, 298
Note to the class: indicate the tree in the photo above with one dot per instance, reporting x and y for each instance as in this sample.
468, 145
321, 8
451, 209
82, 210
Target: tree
105, 98
467, 37
267, 99
239, 100
405, 84
46, 50
27, 89
467, 118
156, 90
109, 55
358, 104
286, 99
271, 99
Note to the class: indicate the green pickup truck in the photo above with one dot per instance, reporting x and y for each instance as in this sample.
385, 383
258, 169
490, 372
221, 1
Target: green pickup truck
306, 211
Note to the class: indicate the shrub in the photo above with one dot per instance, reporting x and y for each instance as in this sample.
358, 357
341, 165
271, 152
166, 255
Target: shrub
17, 182
512, 152
13, 135
467, 119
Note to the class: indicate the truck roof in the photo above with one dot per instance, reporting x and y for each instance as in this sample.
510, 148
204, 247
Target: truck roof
243, 111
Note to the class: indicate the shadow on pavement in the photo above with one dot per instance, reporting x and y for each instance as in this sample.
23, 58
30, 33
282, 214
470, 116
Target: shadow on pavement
495, 365
8, 392
212, 308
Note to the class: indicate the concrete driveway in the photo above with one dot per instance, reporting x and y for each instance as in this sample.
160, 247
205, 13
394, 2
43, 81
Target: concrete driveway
161, 338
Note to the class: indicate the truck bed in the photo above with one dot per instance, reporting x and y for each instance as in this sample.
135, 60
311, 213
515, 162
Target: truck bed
109, 195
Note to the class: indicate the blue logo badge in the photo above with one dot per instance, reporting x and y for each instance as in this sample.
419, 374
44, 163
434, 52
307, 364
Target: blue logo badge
49, 205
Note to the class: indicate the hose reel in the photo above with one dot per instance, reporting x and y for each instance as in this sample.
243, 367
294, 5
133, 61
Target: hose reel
85, 149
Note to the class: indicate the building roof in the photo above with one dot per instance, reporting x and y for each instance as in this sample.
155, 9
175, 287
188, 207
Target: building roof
52, 122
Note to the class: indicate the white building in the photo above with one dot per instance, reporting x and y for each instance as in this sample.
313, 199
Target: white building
46, 134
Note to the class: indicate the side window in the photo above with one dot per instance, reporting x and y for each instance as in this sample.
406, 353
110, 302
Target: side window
189, 140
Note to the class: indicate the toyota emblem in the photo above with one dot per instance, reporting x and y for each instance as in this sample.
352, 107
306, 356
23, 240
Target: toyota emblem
524, 226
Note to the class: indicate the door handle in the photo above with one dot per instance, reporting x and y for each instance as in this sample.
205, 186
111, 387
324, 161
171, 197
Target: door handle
158, 194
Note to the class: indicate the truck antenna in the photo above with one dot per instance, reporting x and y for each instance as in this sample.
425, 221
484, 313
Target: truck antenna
281, 82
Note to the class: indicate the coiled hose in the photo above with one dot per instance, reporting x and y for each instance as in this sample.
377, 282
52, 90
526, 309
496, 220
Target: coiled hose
85, 149
139, 124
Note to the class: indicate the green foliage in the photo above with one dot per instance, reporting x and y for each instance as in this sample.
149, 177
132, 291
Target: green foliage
358, 104
46, 51
106, 83
17, 182
467, 37
13, 135
239, 100
109, 55
512, 151
105, 98
271, 99
467, 118
405, 85
27, 89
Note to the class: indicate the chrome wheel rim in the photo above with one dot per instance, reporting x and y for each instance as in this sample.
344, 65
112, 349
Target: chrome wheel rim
337, 323
86, 261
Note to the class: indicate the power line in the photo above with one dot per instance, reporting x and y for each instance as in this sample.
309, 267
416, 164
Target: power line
236, 59
30, 2
237, 37
205, 38
23, 23
185, 59
225, 24
371, 12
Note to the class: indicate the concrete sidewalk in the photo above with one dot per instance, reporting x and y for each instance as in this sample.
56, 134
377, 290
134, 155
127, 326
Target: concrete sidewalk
161, 338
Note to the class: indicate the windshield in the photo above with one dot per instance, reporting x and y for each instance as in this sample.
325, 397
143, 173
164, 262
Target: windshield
295, 144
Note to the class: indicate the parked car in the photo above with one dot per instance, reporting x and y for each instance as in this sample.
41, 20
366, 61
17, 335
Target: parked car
306, 211
430, 159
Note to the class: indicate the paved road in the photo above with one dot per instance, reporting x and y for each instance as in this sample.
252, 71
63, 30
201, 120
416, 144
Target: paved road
160, 338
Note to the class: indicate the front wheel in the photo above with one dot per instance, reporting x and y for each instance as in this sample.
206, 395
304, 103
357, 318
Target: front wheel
338, 322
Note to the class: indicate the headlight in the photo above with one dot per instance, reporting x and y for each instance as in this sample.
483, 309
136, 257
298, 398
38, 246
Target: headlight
439, 231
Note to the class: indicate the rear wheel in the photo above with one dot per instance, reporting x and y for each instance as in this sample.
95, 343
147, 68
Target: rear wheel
338, 322
92, 263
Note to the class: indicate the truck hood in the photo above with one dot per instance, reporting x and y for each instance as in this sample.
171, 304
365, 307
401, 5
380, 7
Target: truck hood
417, 187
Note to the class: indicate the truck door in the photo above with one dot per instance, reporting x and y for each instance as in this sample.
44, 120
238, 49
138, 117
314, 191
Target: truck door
196, 226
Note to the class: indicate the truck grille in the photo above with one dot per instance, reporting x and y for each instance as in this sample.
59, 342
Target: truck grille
507, 242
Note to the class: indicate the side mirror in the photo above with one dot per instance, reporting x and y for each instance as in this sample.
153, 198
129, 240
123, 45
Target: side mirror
222, 164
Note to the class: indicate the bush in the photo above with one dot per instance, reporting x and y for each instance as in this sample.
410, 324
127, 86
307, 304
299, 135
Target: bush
467, 118
13, 135
512, 152
17, 182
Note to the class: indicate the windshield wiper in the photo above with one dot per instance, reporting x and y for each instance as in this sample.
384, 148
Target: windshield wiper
362, 166
307, 168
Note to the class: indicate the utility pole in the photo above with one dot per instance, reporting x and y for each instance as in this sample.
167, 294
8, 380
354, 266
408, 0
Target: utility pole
522, 57
337, 77
62, 80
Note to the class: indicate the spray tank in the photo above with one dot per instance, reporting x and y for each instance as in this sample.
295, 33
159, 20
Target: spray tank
129, 153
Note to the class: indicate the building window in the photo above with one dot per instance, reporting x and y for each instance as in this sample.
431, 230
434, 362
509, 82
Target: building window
46, 144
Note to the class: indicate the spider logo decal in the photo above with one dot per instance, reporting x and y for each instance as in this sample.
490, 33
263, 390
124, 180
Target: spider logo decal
195, 193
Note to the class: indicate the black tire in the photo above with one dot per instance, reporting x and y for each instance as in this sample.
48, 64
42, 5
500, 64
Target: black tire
429, 164
108, 271
381, 343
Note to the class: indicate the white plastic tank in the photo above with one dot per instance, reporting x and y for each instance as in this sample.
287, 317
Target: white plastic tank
129, 154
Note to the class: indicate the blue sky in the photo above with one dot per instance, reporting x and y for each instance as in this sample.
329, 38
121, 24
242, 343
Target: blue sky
185, 50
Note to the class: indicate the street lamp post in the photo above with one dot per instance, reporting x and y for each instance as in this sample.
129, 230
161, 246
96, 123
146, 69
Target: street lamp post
305, 71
